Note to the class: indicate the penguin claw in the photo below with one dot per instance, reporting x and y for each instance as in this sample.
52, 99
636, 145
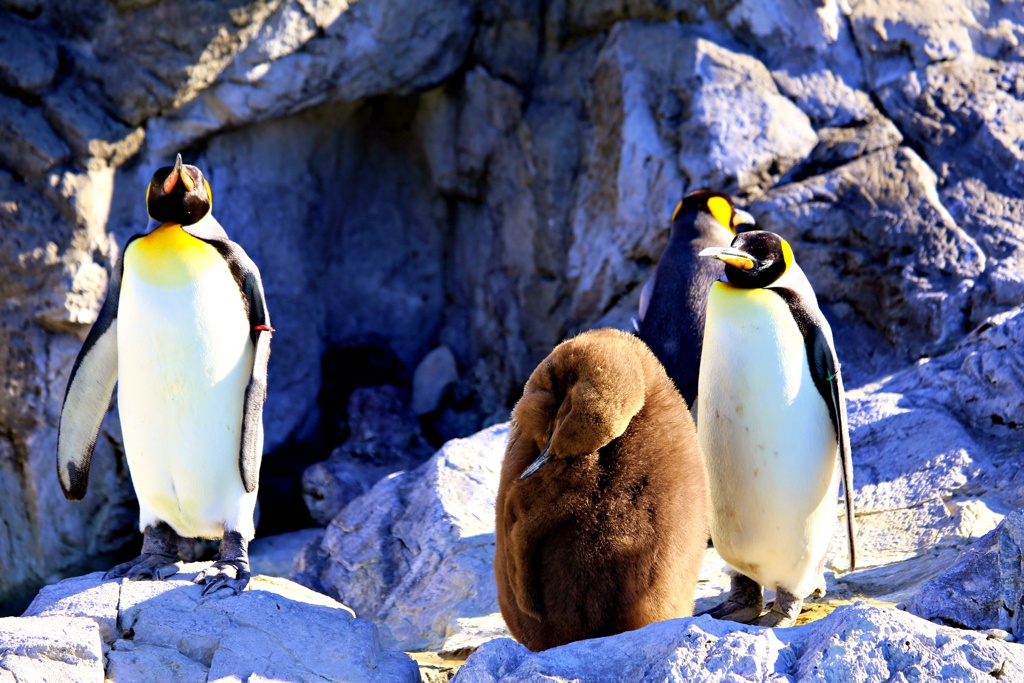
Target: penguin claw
230, 574
775, 619
153, 566
783, 612
731, 610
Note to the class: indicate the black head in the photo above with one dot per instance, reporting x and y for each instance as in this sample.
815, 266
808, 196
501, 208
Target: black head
178, 194
710, 209
755, 259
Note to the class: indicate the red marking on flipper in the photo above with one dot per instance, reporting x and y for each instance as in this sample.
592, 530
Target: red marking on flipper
264, 328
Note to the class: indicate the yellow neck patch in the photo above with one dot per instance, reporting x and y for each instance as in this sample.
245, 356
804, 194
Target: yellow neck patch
170, 257
722, 211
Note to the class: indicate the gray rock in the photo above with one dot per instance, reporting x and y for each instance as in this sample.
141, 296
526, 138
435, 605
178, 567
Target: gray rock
896, 37
967, 115
349, 52
508, 40
146, 73
837, 146
811, 53
274, 630
844, 646
435, 373
873, 234
415, 553
50, 283
385, 437
980, 382
591, 16
28, 56
28, 145
275, 555
88, 129
983, 589
54, 649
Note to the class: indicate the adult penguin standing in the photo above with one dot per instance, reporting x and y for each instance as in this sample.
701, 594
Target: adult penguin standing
772, 424
673, 302
185, 332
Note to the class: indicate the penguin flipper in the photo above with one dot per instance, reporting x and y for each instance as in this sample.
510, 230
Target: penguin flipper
87, 397
838, 405
645, 296
250, 453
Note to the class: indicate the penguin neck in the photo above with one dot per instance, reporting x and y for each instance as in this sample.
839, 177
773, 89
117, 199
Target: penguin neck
703, 231
170, 257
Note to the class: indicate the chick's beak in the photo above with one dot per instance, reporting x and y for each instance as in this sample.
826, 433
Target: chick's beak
545, 456
729, 255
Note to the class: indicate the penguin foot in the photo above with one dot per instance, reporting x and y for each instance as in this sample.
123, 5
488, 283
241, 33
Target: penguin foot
743, 604
159, 558
231, 568
784, 611
146, 566
231, 574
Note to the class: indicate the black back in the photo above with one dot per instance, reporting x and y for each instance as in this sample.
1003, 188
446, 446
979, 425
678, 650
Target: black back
673, 327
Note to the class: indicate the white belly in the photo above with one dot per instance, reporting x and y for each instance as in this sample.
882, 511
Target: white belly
184, 361
770, 447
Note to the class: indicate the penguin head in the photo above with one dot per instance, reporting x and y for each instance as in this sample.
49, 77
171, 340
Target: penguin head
710, 211
582, 397
754, 260
178, 194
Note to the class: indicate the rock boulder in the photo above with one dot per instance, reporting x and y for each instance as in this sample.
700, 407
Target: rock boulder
150, 629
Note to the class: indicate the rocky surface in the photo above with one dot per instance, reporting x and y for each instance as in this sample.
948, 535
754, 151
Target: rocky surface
88, 629
415, 553
488, 178
984, 589
858, 643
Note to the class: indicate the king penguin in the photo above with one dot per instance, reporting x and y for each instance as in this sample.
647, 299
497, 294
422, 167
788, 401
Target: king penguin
772, 424
185, 333
672, 303
601, 512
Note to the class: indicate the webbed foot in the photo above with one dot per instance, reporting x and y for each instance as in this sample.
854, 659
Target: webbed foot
784, 611
231, 568
743, 604
159, 558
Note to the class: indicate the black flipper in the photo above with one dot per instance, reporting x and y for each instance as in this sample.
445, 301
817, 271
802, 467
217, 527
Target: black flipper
87, 397
250, 286
825, 372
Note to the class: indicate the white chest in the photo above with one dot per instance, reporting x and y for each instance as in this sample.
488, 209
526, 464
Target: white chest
767, 437
184, 361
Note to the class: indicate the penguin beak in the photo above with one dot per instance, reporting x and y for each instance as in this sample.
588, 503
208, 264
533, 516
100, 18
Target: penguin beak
730, 256
741, 217
172, 178
185, 177
545, 455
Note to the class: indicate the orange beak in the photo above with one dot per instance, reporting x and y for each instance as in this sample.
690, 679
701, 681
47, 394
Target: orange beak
177, 173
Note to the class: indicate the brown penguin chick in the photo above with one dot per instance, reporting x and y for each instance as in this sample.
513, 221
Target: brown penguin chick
602, 506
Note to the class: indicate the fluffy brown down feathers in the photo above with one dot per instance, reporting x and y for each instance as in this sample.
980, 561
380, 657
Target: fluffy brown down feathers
609, 535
